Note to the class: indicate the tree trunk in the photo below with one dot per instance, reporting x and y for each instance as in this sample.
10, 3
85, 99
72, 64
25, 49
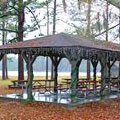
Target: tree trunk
88, 34
20, 68
47, 34
107, 20
88, 69
21, 20
55, 78
30, 80
54, 17
6, 68
119, 40
54, 30
4, 60
119, 69
3, 69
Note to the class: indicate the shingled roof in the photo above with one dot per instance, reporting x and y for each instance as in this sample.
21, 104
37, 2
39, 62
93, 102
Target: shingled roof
63, 40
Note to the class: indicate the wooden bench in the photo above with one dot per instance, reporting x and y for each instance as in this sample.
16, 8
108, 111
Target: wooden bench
16, 87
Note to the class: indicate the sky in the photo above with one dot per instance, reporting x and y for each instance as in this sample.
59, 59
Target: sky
66, 17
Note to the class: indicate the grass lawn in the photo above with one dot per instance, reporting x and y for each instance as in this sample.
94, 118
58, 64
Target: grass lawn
5, 82
8, 82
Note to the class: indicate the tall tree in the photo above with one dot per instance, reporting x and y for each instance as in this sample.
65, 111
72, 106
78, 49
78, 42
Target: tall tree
88, 34
54, 30
4, 60
48, 22
119, 39
54, 17
4, 37
21, 20
17, 8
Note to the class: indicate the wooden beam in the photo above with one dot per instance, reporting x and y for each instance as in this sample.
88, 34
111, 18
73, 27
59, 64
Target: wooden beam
55, 60
29, 58
1, 56
30, 78
110, 64
74, 73
94, 63
26, 57
74, 57
104, 72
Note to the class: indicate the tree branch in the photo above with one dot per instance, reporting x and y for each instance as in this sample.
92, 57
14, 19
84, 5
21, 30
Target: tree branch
13, 8
8, 30
34, 18
106, 31
13, 40
8, 14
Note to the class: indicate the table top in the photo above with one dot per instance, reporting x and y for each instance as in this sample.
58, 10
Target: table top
92, 81
78, 79
22, 81
112, 78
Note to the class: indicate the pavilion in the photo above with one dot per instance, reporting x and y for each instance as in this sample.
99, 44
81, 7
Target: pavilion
74, 48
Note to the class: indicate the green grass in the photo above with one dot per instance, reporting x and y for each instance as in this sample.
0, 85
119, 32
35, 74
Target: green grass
8, 82
5, 82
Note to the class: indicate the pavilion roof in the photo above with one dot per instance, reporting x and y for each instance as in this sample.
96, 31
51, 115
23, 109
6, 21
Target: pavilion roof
63, 40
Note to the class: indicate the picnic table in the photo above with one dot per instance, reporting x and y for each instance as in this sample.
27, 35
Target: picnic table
23, 82
84, 84
81, 81
92, 82
42, 85
37, 84
69, 79
15, 82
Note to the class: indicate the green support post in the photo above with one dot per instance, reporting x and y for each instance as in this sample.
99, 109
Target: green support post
104, 75
55, 60
94, 64
74, 76
29, 58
